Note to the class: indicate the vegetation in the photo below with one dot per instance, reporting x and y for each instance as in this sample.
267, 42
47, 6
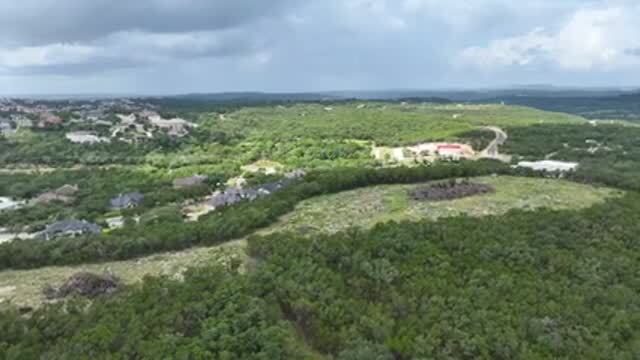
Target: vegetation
449, 190
544, 284
96, 188
620, 107
607, 153
346, 265
384, 124
367, 207
310, 135
232, 222
24, 288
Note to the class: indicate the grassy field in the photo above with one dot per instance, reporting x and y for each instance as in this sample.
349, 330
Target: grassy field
368, 206
363, 207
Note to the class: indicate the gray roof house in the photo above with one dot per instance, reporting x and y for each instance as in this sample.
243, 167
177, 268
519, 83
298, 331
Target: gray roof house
235, 195
126, 201
69, 228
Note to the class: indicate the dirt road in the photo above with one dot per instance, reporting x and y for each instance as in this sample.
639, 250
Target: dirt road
493, 150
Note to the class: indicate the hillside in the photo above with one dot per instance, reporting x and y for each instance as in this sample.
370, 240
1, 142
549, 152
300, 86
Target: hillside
310, 247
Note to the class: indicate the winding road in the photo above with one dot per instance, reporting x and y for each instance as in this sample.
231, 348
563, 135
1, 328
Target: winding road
493, 150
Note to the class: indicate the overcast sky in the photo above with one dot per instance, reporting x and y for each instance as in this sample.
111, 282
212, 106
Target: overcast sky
179, 46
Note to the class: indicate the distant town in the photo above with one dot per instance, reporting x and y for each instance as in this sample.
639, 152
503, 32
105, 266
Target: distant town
91, 122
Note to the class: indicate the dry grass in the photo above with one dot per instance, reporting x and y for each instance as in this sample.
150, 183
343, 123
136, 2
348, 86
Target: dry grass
24, 287
368, 206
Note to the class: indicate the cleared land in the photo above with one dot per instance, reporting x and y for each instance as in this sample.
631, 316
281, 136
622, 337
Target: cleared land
363, 207
368, 206
24, 287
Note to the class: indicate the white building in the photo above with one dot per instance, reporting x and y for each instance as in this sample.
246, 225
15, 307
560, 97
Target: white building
83, 137
549, 165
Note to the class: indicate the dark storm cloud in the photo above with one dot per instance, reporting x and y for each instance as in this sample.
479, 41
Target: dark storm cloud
288, 45
37, 22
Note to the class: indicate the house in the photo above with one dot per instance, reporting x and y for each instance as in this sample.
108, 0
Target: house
450, 151
235, 195
47, 119
174, 127
127, 119
188, 182
127, 201
69, 228
115, 222
85, 137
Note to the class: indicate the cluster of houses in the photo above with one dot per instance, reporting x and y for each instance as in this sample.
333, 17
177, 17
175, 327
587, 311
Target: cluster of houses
143, 125
234, 195
72, 227
139, 122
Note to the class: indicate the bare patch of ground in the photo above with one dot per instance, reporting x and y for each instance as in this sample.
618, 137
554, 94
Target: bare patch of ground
449, 190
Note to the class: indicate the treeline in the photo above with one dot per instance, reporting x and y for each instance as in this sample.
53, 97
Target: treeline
528, 285
220, 226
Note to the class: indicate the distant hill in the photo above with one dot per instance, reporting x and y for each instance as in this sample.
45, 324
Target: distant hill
619, 106
598, 103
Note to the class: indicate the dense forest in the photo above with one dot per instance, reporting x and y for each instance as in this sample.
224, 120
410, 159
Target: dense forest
530, 285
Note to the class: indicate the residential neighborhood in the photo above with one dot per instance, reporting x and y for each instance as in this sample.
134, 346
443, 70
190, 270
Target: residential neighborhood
126, 120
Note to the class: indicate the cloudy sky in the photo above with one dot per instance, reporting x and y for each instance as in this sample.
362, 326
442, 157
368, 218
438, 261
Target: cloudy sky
178, 46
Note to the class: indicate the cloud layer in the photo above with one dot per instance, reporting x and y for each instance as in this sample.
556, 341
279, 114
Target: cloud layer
604, 38
169, 46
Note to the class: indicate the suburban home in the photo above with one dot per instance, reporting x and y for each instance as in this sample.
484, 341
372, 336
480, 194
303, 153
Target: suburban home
127, 201
127, 119
188, 182
85, 137
49, 119
115, 222
69, 228
234, 195
174, 127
